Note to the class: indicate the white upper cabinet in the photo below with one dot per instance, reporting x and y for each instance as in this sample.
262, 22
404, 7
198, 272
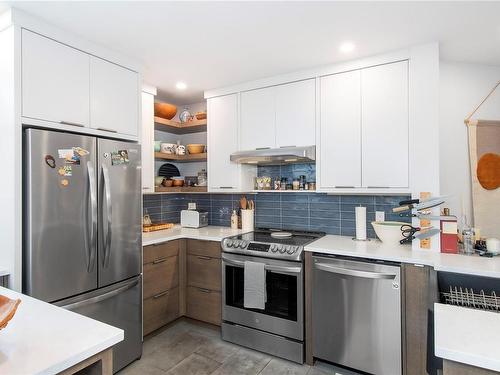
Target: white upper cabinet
55, 81
385, 134
147, 143
114, 98
296, 114
340, 131
258, 119
222, 128
278, 116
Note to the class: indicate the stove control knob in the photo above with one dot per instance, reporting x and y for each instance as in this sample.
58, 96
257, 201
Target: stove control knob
244, 244
272, 248
277, 248
229, 243
283, 249
291, 250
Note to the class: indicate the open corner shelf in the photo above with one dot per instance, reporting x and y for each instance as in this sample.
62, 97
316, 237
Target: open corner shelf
182, 189
194, 126
182, 158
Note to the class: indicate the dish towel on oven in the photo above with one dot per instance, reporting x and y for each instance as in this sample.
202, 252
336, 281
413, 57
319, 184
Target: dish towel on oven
254, 295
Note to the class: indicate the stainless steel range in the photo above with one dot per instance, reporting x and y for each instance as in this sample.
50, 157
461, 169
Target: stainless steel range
277, 328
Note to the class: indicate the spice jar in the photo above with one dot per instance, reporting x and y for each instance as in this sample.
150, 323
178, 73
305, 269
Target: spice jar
295, 184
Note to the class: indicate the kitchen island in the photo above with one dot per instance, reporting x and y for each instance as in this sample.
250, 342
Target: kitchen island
46, 339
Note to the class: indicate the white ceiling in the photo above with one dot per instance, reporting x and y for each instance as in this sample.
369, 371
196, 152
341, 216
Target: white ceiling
215, 44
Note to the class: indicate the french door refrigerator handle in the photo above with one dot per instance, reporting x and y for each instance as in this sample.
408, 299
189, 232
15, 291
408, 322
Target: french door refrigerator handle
268, 267
109, 211
93, 208
350, 272
102, 297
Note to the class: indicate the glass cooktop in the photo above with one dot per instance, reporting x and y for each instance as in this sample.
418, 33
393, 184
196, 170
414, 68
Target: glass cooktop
298, 238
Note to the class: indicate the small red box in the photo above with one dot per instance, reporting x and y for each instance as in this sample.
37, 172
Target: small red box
449, 236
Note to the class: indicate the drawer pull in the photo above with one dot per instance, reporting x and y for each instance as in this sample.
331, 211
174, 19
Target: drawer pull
107, 130
203, 257
203, 290
71, 123
161, 260
160, 294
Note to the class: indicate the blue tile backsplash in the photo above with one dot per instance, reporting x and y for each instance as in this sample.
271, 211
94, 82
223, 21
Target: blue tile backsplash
333, 214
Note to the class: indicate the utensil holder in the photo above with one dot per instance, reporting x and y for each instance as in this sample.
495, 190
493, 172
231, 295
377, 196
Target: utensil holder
247, 220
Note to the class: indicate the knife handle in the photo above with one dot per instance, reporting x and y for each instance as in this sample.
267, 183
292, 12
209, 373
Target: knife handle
409, 201
402, 208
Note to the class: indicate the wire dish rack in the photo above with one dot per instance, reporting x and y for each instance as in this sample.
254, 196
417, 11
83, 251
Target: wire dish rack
468, 298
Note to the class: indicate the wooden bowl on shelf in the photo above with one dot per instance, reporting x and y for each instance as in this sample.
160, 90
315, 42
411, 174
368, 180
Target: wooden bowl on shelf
178, 183
165, 110
201, 115
196, 148
167, 183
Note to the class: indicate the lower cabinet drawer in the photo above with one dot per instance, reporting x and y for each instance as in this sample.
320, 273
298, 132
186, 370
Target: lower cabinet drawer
160, 309
204, 272
160, 275
203, 304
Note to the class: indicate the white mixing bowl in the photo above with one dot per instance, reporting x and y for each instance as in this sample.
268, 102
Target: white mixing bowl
388, 231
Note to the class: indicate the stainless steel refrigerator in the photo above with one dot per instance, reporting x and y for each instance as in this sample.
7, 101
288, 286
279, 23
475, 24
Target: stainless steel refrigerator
82, 230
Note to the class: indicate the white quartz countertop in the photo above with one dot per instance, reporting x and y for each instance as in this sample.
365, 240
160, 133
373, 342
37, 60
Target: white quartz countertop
46, 339
375, 249
209, 233
467, 336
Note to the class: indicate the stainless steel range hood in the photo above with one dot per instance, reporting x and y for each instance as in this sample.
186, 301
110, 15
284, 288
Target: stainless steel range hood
276, 156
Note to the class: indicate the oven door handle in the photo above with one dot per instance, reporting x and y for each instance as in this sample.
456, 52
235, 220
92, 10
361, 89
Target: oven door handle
268, 267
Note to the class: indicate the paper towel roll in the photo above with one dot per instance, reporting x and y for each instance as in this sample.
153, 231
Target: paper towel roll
361, 223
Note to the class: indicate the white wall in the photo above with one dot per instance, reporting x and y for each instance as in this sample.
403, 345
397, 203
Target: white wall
462, 87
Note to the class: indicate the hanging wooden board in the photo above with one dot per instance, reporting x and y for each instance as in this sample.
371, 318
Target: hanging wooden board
488, 171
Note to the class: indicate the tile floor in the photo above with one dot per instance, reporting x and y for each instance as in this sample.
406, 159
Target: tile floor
188, 347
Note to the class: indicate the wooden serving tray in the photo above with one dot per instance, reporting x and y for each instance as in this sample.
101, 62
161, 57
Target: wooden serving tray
8, 308
155, 227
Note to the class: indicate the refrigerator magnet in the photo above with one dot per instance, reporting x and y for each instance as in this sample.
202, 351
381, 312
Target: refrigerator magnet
67, 171
80, 151
64, 182
50, 161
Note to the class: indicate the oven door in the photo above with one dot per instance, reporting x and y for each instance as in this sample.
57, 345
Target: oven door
284, 312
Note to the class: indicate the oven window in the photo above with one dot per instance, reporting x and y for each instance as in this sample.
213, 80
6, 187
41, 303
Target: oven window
281, 293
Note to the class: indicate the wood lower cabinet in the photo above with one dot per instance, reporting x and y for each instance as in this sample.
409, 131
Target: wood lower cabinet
181, 277
203, 304
204, 271
160, 309
161, 285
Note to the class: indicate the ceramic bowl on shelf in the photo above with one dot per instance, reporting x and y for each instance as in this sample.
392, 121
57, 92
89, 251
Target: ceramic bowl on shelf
178, 182
196, 148
201, 115
165, 110
159, 180
167, 183
157, 146
389, 231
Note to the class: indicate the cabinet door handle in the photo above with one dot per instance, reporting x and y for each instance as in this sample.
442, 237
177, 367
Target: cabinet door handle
262, 148
107, 130
203, 257
287, 146
203, 290
378, 187
160, 260
71, 123
226, 187
344, 187
160, 294
145, 188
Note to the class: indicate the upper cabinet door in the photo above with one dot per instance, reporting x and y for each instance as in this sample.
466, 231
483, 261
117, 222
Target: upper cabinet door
222, 114
296, 114
114, 98
385, 140
147, 143
258, 119
55, 81
340, 131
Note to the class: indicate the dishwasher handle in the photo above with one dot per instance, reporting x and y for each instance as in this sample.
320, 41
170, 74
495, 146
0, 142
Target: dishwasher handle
350, 272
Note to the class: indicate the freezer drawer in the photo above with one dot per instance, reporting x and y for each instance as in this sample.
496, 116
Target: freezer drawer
357, 315
119, 305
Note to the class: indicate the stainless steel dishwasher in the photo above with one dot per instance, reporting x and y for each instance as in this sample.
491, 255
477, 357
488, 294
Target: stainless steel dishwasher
357, 314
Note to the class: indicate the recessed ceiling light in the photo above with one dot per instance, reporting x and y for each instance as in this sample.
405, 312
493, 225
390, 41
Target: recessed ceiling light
180, 85
347, 47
